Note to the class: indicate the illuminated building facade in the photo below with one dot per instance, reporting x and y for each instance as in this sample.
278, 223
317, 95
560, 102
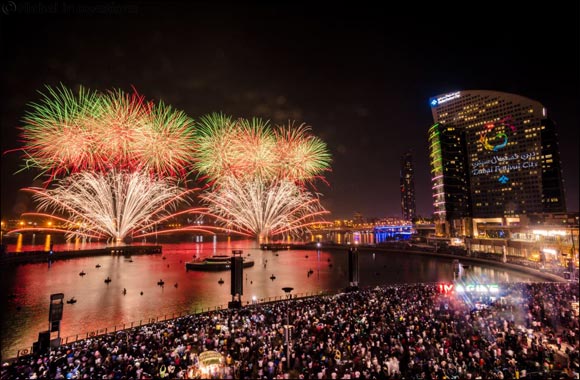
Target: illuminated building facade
407, 187
449, 177
511, 164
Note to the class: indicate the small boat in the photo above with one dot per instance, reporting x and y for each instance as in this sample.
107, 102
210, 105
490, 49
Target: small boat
220, 281
160, 282
272, 277
98, 266
276, 254
164, 258
175, 285
107, 280
310, 271
82, 273
306, 256
72, 300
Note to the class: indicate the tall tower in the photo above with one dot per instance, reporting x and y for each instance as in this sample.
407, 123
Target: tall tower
449, 178
407, 186
510, 153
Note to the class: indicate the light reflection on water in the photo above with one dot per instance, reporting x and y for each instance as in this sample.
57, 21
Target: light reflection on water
27, 288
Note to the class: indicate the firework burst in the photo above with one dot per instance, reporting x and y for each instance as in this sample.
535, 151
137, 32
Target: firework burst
112, 205
262, 209
117, 159
252, 148
258, 174
68, 132
300, 156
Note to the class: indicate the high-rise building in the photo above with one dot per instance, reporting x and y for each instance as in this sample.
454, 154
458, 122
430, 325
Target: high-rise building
493, 154
407, 186
450, 180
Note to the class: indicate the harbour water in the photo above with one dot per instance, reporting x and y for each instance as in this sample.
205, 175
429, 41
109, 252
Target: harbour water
24, 306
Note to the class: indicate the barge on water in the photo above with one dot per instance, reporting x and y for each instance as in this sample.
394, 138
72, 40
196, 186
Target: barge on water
216, 263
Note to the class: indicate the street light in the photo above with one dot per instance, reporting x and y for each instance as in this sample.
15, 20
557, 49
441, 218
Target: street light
287, 327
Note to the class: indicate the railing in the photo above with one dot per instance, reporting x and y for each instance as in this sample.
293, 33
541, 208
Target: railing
167, 317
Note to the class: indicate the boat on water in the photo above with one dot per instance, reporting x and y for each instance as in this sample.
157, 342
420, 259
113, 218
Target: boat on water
216, 263
71, 301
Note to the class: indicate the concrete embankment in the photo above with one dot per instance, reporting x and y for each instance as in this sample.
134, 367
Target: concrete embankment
470, 259
16, 258
337, 247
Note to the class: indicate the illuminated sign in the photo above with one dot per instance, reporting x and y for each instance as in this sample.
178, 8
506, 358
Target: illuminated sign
503, 164
477, 288
503, 179
549, 232
500, 138
470, 288
443, 99
445, 288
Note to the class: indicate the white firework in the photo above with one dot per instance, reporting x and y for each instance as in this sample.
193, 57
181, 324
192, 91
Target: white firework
111, 205
263, 208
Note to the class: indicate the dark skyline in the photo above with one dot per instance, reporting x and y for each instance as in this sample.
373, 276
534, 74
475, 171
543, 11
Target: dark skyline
361, 78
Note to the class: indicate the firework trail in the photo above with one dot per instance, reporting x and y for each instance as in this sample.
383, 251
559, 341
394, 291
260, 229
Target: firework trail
112, 205
264, 209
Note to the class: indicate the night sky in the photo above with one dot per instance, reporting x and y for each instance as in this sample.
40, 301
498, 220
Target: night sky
361, 77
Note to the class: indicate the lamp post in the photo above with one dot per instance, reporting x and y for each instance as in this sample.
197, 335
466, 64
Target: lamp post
287, 327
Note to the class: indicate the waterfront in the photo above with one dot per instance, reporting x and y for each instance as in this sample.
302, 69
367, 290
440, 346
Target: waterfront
27, 288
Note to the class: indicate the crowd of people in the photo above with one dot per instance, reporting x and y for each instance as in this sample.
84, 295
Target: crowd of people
404, 332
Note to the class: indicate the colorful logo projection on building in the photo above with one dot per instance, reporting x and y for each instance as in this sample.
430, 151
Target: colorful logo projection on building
495, 137
499, 140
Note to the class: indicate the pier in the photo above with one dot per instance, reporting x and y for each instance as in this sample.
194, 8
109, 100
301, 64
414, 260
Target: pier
16, 258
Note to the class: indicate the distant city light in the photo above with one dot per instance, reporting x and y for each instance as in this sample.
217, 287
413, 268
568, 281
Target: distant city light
549, 232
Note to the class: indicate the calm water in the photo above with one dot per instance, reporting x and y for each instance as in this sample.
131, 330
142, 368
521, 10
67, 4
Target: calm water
27, 288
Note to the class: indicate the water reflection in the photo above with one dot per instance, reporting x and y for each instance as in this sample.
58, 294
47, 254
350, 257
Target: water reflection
100, 305
47, 243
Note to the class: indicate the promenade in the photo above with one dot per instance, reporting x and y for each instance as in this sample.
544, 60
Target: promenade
548, 272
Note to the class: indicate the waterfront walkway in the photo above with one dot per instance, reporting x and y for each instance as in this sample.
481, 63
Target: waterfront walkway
548, 271
404, 331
